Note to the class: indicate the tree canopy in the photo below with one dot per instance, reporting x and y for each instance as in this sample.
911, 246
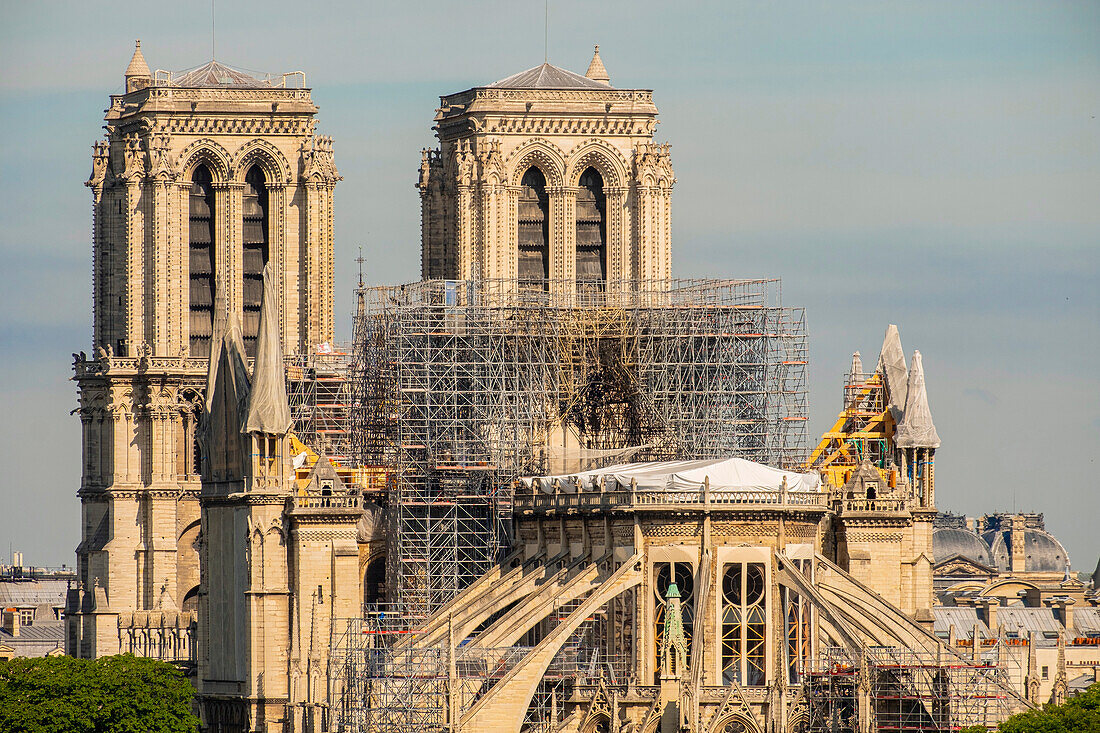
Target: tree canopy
1079, 714
123, 694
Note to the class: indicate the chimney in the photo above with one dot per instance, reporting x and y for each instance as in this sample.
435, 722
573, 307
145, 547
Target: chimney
11, 621
987, 610
1063, 610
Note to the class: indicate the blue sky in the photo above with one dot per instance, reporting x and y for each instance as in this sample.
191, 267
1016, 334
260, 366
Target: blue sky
932, 164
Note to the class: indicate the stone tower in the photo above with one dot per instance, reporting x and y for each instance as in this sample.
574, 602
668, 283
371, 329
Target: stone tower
547, 175
204, 178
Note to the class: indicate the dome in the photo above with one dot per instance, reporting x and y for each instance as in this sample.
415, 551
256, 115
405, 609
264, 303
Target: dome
1042, 552
950, 541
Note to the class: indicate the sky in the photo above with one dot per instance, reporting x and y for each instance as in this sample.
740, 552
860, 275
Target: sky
930, 164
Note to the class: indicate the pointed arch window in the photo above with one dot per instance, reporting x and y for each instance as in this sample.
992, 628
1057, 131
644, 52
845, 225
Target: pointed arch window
683, 575
255, 255
591, 230
534, 231
201, 261
744, 600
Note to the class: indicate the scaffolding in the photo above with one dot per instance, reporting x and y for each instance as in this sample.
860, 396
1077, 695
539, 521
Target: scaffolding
319, 395
459, 387
907, 690
383, 683
861, 432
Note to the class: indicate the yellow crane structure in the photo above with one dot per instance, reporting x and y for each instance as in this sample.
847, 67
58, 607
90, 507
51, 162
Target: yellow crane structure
863, 431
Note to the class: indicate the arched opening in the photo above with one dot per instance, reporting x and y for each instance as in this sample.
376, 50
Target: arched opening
374, 581
743, 624
201, 261
684, 576
256, 252
534, 231
190, 600
591, 230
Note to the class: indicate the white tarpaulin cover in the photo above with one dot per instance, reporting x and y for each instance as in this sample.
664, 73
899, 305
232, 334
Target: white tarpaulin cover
891, 365
268, 410
916, 429
729, 474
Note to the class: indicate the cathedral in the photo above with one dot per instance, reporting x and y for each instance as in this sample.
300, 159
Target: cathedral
581, 475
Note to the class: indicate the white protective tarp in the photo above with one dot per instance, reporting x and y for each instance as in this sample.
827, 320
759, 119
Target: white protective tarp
891, 365
268, 409
724, 474
916, 429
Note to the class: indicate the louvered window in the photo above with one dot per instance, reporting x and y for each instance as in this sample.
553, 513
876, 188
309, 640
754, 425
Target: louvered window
201, 261
534, 231
255, 254
591, 230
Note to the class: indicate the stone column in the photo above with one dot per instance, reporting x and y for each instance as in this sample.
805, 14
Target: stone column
276, 241
618, 234
134, 299
563, 255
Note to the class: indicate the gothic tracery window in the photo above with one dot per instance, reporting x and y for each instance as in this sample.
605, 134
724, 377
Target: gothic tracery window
684, 576
744, 592
591, 229
255, 255
201, 261
534, 231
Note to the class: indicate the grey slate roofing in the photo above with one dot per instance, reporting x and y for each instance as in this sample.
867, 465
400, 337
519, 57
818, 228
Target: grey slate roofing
35, 592
948, 542
1086, 621
217, 74
1023, 619
547, 76
37, 640
961, 617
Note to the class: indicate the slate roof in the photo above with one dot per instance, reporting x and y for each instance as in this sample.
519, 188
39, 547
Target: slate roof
963, 618
35, 592
547, 76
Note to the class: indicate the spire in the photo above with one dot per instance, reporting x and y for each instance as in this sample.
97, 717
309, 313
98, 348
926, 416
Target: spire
857, 366
891, 365
268, 410
673, 644
596, 70
916, 429
138, 71
226, 399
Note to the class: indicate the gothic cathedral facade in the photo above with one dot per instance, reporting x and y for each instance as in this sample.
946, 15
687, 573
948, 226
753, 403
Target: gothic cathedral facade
203, 179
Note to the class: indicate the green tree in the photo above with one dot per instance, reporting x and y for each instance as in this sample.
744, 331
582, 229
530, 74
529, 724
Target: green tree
123, 694
1079, 714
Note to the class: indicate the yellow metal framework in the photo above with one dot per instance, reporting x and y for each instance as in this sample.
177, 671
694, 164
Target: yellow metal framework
864, 430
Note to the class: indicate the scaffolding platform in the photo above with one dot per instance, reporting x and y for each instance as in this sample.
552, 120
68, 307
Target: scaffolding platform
476, 383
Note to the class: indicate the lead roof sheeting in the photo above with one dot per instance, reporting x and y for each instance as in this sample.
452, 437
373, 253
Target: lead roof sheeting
547, 76
731, 474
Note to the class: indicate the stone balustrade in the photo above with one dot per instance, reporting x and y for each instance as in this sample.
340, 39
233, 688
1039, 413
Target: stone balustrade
649, 499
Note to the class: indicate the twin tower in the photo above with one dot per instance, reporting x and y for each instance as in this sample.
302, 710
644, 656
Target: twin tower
205, 181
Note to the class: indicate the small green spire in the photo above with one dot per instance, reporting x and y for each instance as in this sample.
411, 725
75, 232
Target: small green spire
673, 645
